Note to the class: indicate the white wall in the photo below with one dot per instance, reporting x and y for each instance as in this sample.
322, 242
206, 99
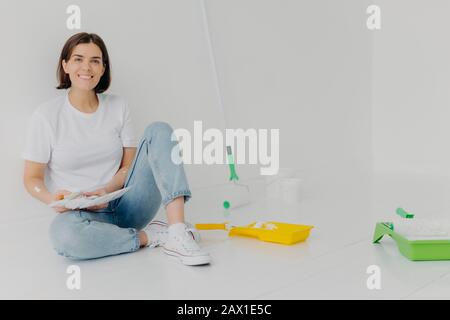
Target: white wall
303, 67
411, 73
300, 66
411, 98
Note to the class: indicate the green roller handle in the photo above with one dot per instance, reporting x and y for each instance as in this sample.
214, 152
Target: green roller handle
233, 175
402, 213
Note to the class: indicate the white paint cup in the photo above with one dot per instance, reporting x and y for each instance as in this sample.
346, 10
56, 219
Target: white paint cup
274, 184
290, 190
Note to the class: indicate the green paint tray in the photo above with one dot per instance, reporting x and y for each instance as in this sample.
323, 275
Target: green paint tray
414, 249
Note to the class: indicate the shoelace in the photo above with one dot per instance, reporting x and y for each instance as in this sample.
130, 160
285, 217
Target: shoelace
160, 235
158, 239
190, 228
187, 242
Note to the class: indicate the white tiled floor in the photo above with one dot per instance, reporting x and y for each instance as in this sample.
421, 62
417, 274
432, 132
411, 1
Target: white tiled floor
331, 264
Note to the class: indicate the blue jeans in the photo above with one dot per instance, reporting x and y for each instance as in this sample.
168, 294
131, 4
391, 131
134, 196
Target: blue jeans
155, 180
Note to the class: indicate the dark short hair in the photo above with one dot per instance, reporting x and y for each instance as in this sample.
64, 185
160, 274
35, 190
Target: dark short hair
72, 42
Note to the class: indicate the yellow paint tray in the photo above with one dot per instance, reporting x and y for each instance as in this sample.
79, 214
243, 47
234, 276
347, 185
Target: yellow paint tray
270, 231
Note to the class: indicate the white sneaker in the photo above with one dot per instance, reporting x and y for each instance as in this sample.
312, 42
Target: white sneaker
157, 233
181, 244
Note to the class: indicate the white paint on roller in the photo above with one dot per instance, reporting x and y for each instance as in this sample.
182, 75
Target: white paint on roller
237, 195
37, 189
421, 228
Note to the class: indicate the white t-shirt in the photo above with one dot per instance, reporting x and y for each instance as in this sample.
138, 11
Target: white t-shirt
83, 151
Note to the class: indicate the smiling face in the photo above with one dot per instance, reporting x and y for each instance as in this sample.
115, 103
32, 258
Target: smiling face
85, 66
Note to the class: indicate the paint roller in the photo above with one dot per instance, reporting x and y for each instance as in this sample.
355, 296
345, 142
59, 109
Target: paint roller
420, 227
237, 194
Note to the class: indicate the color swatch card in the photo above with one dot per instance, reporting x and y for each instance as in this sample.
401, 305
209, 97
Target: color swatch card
77, 200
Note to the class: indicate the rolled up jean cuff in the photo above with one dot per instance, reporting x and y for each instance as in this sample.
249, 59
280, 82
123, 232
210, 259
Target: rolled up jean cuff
186, 193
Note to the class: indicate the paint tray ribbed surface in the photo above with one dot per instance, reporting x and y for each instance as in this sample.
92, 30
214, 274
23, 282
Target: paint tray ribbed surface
270, 231
414, 249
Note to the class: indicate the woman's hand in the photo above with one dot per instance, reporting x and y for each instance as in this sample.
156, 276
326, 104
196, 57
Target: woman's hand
59, 195
99, 192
